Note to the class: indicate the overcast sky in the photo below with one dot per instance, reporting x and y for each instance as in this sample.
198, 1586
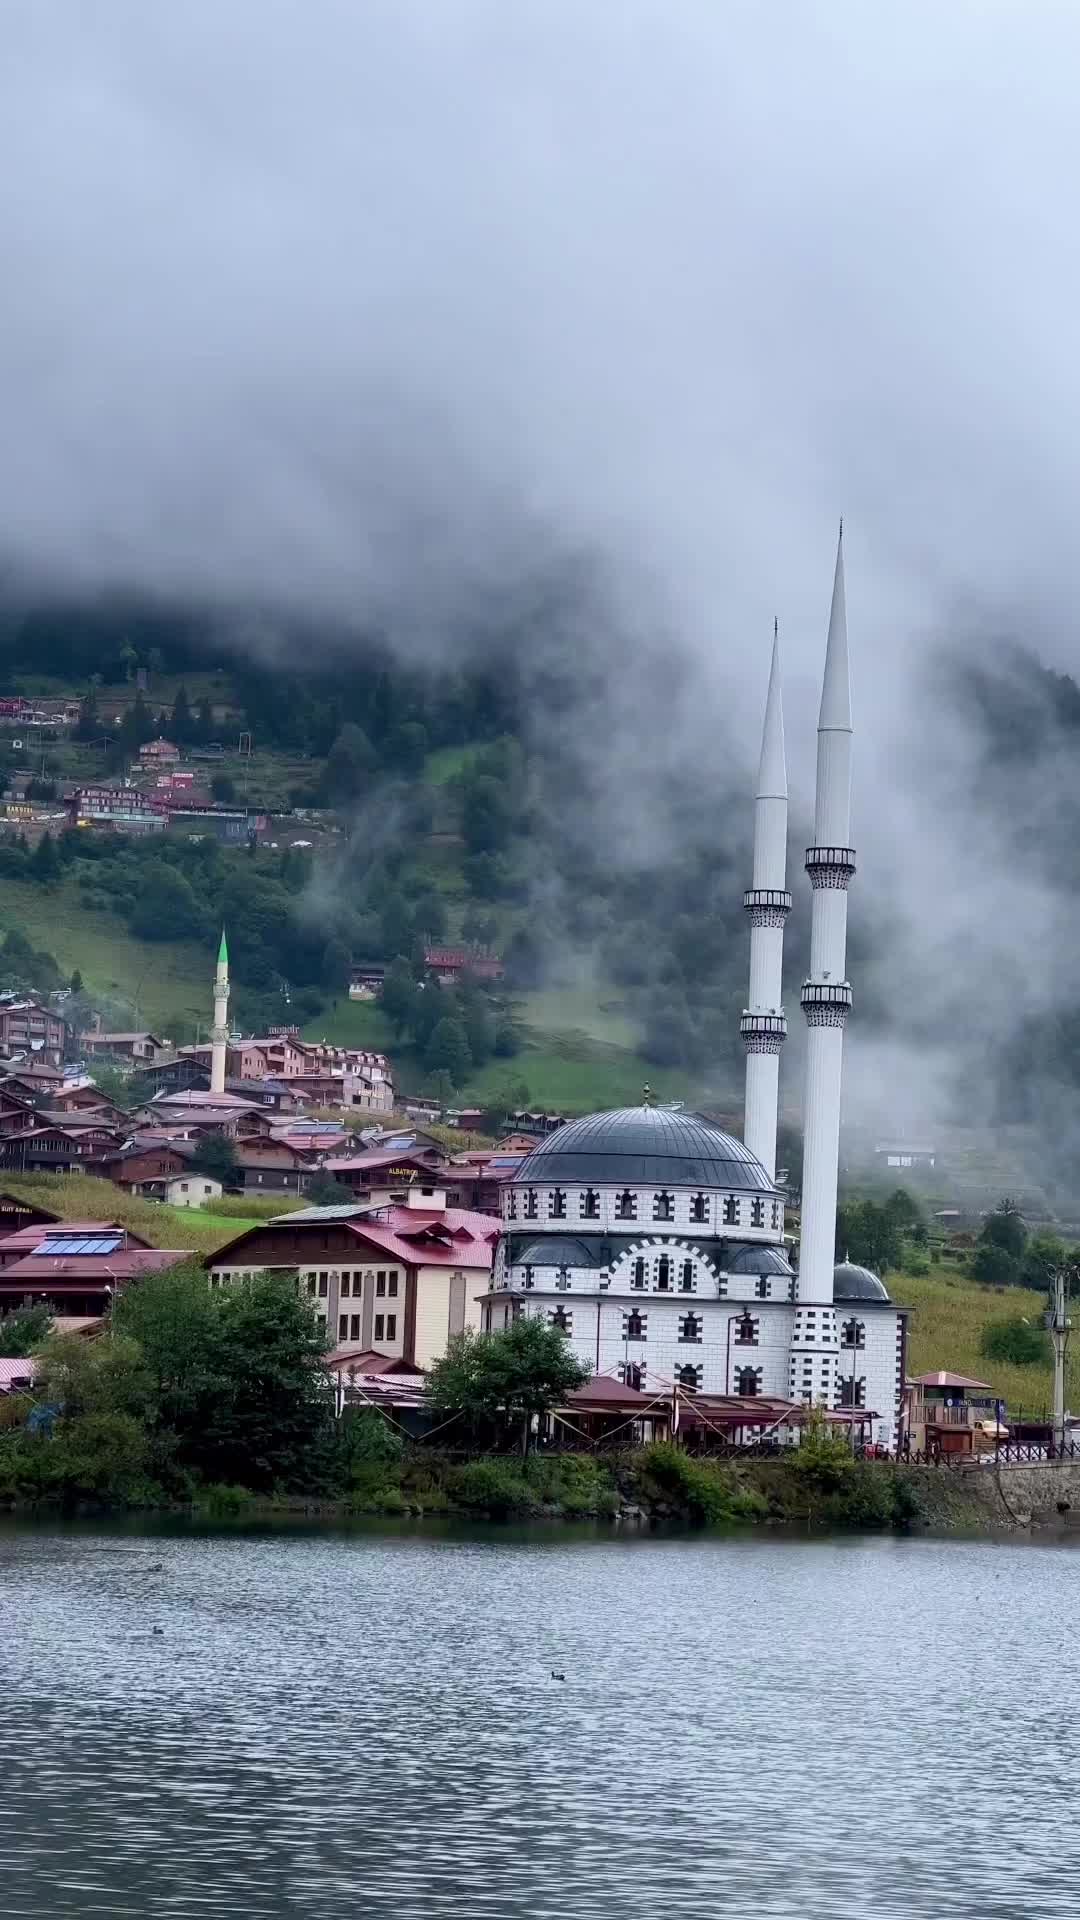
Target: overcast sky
346, 301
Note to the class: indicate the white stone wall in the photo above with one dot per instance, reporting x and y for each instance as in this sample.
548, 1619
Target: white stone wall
878, 1363
743, 1216
661, 1352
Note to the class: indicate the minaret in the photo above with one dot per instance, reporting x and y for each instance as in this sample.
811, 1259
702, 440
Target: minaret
767, 902
826, 1001
219, 1032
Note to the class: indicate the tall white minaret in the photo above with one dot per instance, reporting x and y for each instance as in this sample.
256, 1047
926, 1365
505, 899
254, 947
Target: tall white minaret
826, 1001
767, 902
219, 1033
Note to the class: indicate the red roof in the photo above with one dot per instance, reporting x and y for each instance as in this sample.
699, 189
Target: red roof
611, 1393
93, 1267
377, 1157
951, 1380
451, 1237
26, 1238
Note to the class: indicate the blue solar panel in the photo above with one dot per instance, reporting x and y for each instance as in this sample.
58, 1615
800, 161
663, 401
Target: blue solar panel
80, 1245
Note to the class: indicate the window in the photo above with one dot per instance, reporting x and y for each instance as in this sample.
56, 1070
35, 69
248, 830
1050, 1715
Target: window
322, 1286
391, 1285
380, 1284
184, 1186
663, 1207
626, 1206
380, 1323
663, 1273
757, 1213
775, 1214
530, 1203
391, 1326
686, 1277
637, 1278
731, 1211
562, 1278
511, 1211
762, 1287
529, 1277
853, 1334
346, 1282
746, 1331
853, 1391
354, 1327
590, 1204
699, 1208
311, 1284
632, 1375
633, 1325
561, 1318
690, 1329
748, 1382
688, 1377
557, 1204
343, 1326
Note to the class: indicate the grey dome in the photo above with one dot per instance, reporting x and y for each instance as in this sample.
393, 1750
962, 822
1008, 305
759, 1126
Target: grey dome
851, 1282
758, 1260
643, 1147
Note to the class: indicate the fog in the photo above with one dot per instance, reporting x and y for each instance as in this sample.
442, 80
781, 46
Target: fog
371, 309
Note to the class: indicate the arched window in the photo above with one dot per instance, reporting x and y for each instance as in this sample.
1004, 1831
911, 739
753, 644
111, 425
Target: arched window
689, 1377
853, 1391
530, 1209
686, 1278
626, 1206
746, 1331
562, 1279
511, 1209
757, 1213
853, 1333
590, 1204
529, 1278
690, 1329
557, 1204
633, 1325
699, 1208
748, 1383
663, 1207
560, 1318
731, 1211
637, 1278
632, 1375
663, 1273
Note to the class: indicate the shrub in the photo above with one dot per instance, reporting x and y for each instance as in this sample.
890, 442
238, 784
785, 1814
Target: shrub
571, 1481
225, 1502
824, 1454
1018, 1341
494, 1486
705, 1491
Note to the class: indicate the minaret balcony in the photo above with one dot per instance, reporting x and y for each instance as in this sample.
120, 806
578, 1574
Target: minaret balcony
826, 1003
763, 1032
830, 866
767, 906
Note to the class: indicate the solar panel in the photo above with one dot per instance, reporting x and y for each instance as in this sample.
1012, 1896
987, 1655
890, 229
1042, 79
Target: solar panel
83, 1244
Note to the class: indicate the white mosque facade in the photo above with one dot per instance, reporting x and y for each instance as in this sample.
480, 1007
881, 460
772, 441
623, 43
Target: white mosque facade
656, 1240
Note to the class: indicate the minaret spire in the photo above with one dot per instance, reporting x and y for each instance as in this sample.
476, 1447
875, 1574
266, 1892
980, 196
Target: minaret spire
767, 903
826, 1002
219, 1033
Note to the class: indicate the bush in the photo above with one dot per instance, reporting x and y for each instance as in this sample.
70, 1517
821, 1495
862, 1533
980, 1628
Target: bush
572, 1481
995, 1266
225, 1502
494, 1486
705, 1491
1019, 1342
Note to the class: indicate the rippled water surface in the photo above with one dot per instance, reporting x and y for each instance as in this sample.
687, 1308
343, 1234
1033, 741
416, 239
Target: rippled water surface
365, 1724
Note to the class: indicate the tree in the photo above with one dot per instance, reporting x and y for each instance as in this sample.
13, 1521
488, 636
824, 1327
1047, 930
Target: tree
325, 1191
524, 1370
23, 1331
398, 995
76, 982
223, 788
995, 1266
181, 726
215, 1155
348, 766
866, 1234
45, 861
1043, 1255
1005, 1228
448, 1051
1019, 1342
166, 907
271, 1421
485, 816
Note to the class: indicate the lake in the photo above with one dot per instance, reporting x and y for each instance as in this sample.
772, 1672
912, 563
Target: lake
364, 1723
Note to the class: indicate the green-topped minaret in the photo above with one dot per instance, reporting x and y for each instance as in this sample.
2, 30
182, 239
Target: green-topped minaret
219, 1033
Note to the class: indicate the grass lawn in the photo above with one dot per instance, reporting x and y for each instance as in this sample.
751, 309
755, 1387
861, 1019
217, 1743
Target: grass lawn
163, 980
446, 763
590, 1011
946, 1327
352, 1023
83, 1196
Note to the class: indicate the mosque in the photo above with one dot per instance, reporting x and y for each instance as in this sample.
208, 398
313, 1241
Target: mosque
655, 1240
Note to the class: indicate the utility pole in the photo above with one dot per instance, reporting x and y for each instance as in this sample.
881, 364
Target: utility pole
1058, 1326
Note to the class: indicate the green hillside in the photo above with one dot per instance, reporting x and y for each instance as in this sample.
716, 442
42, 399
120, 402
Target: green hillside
157, 980
950, 1315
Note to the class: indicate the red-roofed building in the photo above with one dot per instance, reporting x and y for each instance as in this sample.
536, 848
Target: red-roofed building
397, 1279
449, 963
77, 1270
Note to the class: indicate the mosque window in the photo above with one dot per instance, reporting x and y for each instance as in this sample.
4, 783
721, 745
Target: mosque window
686, 1278
637, 1277
762, 1287
757, 1213
690, 1329
853, 1333
663, 1274
746, 1331
590, 1204
853, 1391
731, 1211
511, 1210
748, 1383
775, 1214
663, 1207
557, 1204
626, 1206
530, 1203
562, 1319
699, 1208
689, 1377
562, 1279
634, 1325
530, 1280
632, 1375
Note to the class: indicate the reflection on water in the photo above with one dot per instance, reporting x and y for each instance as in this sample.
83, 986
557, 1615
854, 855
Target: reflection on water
367, 1723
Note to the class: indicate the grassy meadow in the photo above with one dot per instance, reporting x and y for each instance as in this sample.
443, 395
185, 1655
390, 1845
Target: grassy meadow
950, 1315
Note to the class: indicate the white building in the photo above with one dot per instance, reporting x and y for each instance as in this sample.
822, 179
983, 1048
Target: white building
654, 1239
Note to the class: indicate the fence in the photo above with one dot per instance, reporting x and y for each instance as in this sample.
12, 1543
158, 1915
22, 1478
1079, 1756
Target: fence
1011, 1454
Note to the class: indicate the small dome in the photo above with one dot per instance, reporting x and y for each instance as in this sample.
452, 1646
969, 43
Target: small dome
643, 1147
556, 1250
758, 1260
851, 1282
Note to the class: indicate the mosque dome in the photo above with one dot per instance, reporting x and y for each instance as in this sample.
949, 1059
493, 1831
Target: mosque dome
852, 1282
643, 1147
